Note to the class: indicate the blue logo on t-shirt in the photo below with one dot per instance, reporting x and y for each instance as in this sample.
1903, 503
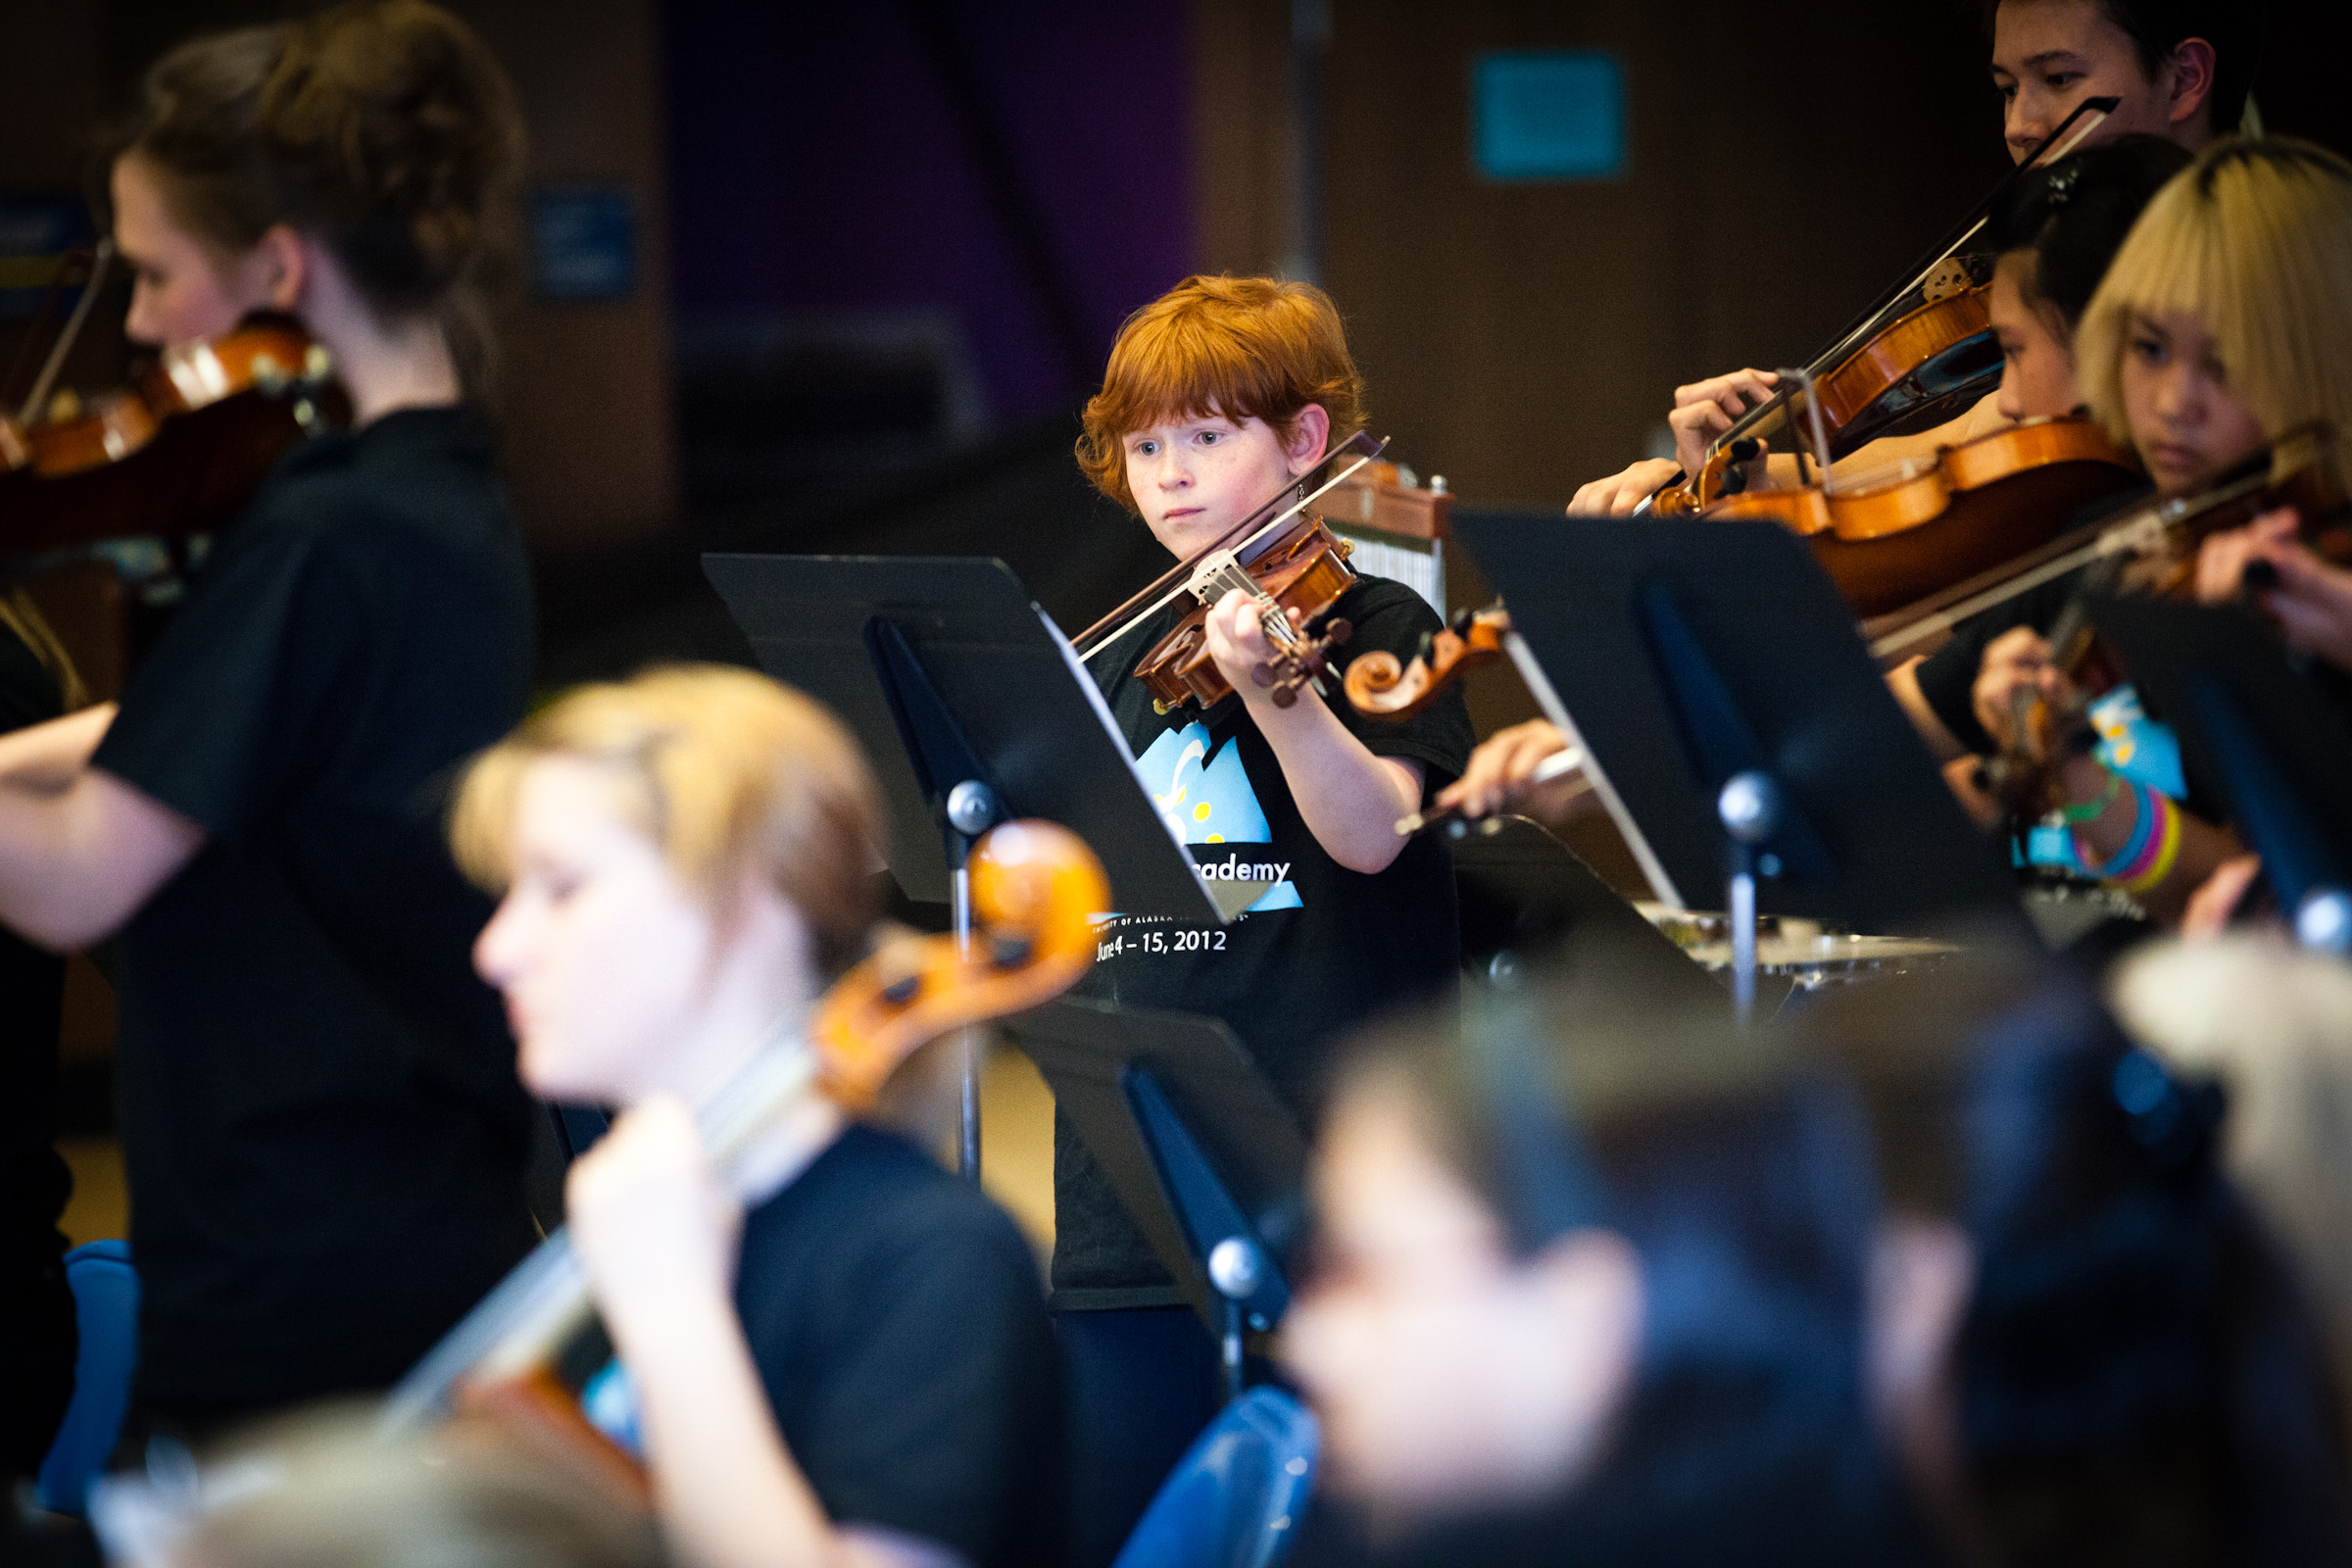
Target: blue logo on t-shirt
1213, 804
2131, 744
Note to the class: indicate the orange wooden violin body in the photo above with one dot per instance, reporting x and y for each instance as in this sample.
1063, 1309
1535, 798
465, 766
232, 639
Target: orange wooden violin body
1897, 540
175, 453
1380, 685
1888, 364
1911, 368
1301, 567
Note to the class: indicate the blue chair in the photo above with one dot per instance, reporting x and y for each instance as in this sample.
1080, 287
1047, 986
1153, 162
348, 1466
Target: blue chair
1234, 1498
105, 1308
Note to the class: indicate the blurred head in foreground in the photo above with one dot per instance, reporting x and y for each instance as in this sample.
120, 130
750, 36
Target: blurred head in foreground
2081, 1348
323, 1490
1590, 1270
679, 859
2272, 1022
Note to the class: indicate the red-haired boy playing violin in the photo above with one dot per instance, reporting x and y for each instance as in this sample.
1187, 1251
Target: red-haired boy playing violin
1219, 396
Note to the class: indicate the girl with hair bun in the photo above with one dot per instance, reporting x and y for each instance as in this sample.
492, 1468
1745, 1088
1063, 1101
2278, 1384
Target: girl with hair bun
322, 1127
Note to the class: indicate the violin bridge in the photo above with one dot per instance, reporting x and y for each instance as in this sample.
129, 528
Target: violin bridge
1216, 573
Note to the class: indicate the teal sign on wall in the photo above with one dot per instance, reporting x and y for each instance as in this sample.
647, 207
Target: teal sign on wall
1547, 115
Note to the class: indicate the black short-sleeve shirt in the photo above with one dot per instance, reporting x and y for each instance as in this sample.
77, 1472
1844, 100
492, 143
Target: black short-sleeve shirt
1324, 949
896, 1318
322, 1125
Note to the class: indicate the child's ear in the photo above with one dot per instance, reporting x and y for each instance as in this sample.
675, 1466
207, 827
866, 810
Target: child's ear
1311, 432
2193, 69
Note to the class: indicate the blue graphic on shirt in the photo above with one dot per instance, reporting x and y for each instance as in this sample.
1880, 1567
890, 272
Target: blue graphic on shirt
2131, 744
1214, 804
608, 1401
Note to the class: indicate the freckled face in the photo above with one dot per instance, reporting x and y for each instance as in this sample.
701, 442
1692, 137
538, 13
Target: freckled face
2038, 359
2187, 423
1195, 477
596, 947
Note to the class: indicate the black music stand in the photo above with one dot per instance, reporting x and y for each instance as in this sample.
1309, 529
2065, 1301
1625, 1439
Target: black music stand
973, 711
1719, 680
2256, 735
1526, 898
1201, 1150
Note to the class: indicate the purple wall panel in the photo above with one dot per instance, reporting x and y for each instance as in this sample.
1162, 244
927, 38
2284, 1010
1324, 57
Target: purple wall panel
821, 167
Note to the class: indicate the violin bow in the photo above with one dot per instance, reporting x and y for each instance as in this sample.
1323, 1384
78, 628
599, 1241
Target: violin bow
100, 258
2087, 117
2135, 526
544, 1301
1177, 578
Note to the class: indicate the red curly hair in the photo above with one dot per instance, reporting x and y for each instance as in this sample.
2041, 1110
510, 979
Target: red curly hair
1245, 348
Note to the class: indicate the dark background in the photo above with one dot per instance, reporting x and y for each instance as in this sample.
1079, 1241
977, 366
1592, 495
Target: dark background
882, 249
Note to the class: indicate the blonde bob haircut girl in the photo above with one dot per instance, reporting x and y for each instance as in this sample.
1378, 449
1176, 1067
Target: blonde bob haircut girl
2255, 240
731, 776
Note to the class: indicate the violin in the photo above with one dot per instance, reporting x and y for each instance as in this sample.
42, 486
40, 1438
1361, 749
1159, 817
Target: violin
1033, 886
1895, 538
177, 452
1919, 355
1381, 686
1300, 571
2150, 547
1283, 557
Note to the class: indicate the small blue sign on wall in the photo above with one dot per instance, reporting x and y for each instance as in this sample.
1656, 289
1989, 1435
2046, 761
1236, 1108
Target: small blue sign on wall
1547, 115
33, 231
583, 242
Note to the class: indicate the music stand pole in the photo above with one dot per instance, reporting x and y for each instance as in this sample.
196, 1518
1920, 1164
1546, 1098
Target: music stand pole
1236, 1269
971, 811
1750, 808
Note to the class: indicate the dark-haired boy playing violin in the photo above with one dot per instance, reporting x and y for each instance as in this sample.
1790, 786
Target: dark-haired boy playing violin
2179, 68
1218, 396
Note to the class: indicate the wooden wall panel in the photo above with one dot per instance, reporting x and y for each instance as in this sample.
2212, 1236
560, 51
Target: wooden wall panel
1524, 339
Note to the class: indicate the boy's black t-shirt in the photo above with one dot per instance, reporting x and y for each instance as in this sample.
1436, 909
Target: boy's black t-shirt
322, 1125
896, 1319
1325, 949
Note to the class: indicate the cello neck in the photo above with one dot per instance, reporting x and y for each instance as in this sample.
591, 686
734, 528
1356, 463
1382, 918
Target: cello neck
542, 1306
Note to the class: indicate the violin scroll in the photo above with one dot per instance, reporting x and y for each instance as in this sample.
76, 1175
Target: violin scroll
1384, 687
